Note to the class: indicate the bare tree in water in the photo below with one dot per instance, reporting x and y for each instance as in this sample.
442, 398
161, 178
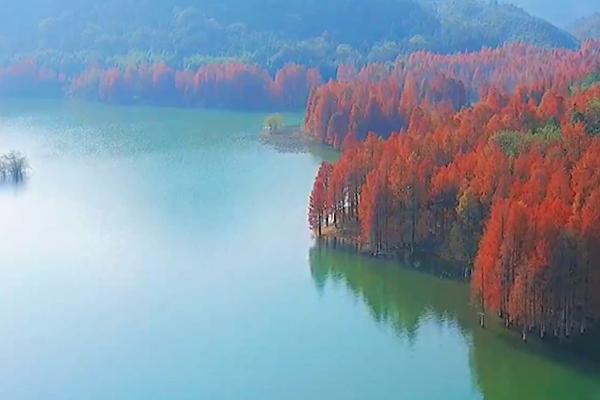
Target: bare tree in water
13, 167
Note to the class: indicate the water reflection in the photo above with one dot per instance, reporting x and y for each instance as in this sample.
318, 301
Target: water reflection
501, 366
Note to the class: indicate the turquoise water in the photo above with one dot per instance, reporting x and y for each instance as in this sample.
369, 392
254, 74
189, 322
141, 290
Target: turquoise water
164, 254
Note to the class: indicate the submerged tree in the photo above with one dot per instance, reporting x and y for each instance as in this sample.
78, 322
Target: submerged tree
13, 167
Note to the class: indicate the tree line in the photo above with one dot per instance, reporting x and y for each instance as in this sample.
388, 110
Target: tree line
381, 99
509, 186
378, 97
231, 85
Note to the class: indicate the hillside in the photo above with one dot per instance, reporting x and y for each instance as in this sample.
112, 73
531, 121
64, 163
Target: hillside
562, 13
587, 28
467, 24
188, 33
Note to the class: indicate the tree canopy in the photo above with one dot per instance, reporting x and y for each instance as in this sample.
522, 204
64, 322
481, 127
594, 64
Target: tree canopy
70, 34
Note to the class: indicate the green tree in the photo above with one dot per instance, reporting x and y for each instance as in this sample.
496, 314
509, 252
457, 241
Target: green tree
274, 123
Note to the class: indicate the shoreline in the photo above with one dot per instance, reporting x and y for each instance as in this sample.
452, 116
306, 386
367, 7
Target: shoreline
289, 139
421, 260
437, 266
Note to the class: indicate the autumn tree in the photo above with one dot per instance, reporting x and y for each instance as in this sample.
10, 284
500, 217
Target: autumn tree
317, 209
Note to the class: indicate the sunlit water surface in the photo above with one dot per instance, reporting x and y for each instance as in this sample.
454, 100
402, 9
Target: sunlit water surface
164, 254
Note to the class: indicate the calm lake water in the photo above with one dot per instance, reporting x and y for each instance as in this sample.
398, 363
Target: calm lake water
164, 254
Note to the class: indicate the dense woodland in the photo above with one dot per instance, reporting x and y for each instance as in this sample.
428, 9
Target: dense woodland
234, 86
231, 85
509, 185
379, 97
224, 53
69, 35
383, 100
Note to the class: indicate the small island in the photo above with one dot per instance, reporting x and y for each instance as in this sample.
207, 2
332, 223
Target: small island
285, 138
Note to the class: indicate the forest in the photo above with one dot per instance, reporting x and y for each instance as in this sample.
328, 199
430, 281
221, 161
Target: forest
230, 85
383, 99
70, 35
489, 159
214, 53
208, 53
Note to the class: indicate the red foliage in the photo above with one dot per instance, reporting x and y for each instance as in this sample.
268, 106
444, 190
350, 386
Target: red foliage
493, 184
28, 77
317, 208
237, 86
383, 100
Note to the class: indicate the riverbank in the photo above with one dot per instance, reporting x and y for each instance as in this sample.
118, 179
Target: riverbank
439, 267
427, 261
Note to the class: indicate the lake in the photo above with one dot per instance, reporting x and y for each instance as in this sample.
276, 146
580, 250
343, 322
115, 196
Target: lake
158, 253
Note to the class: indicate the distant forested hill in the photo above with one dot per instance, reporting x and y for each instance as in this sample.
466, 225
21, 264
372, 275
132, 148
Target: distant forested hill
562, 13
587, 28
471, 24
323, 33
